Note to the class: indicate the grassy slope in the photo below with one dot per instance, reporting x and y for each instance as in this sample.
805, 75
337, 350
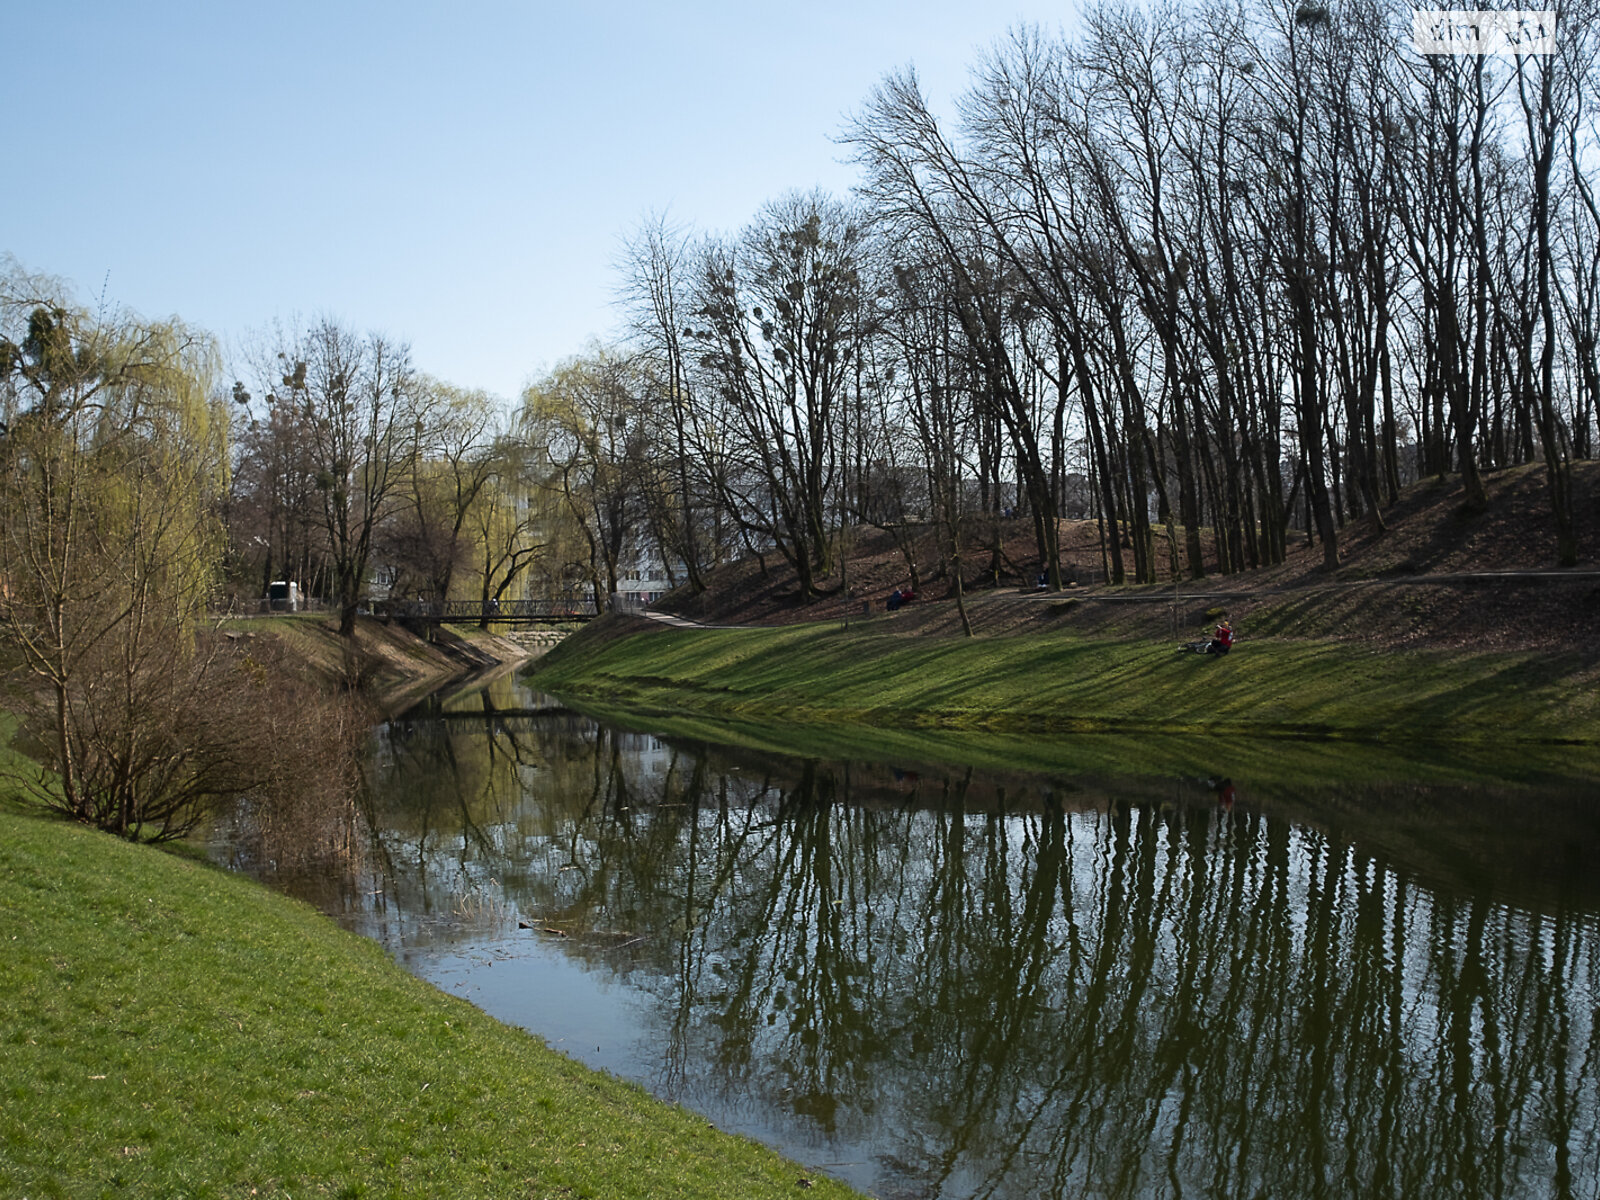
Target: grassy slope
1064, 681
1430, 669
170, 1030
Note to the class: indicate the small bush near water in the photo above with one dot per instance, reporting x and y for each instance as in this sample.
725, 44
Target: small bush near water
230, 722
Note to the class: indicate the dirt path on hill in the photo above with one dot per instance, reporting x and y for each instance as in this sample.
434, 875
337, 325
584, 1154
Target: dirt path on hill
1432, 574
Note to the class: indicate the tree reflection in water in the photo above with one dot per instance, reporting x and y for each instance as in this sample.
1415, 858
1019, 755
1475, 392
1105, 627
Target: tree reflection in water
989, 987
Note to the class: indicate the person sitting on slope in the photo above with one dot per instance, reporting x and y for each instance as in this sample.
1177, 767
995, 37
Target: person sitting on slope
1222, 640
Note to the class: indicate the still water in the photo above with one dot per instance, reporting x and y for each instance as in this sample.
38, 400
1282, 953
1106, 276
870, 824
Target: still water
941, 982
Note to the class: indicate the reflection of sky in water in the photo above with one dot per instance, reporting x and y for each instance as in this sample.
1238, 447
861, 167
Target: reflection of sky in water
574, 1006
927, 984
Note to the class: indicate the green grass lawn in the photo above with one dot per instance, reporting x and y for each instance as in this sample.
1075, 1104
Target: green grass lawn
171, 1030
1063, 681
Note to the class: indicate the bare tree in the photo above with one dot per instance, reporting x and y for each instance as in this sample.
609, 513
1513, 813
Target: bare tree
780, 326
1550, 89
274, 509
359, 400
937, 385
657, 261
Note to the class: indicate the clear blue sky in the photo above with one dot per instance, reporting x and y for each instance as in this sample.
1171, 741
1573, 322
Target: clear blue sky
458, 174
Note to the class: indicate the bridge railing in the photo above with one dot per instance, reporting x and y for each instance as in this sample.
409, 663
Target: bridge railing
504, 610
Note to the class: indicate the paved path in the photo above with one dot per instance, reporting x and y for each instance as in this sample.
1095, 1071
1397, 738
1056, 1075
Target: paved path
678, 622
1162, 593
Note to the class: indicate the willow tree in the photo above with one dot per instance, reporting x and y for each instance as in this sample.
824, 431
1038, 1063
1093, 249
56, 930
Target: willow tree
112, 460
589, 417
452, 460
513, 521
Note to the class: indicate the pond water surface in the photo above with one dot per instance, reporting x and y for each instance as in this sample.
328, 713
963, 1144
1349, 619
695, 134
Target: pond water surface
942, 982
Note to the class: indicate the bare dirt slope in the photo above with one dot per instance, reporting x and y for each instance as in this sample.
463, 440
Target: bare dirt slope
1416, 581
391, 662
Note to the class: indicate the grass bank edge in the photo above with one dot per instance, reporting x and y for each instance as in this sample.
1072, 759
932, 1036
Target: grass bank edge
1058, 682
1273, 764
175, 1030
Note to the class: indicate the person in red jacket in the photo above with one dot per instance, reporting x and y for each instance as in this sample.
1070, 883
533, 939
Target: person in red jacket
1222, 640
